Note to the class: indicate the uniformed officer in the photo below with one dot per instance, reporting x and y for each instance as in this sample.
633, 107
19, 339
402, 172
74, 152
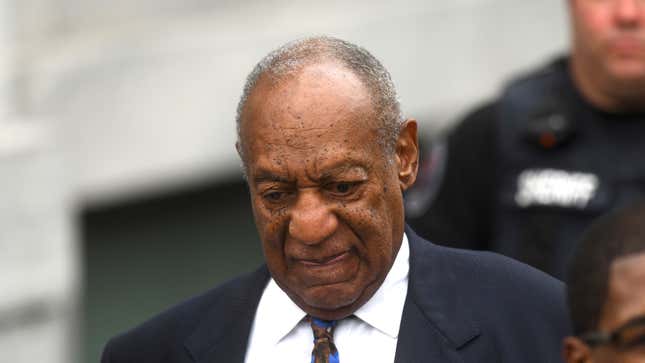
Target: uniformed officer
526, 173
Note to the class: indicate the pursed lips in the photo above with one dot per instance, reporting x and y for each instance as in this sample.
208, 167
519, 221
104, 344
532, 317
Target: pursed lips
627, 44
315, 271
324, 261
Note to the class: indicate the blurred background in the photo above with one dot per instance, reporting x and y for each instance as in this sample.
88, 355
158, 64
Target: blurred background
121, 192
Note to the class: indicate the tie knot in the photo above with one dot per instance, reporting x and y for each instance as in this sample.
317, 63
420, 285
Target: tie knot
323, 329
324, 349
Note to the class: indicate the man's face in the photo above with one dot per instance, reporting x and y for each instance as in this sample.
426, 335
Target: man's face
609, 37
625, 302
326, 200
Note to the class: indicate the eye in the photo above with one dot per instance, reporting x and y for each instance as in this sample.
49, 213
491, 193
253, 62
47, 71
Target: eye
342, 189
275, 196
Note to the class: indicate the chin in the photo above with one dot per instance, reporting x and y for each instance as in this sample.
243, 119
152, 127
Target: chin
330, 297
628, 71
328, 303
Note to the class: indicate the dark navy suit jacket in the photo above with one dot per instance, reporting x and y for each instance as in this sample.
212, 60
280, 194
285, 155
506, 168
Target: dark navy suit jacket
462, 306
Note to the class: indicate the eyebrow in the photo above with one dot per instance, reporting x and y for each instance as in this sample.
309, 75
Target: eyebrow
341, 169
264, 176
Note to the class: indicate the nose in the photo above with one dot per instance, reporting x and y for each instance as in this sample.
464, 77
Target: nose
628, 12
312, 220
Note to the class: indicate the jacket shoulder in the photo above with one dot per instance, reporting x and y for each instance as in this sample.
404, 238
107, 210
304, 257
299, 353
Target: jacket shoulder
516, 306
492, 288
163, 335
498, 278
517, 312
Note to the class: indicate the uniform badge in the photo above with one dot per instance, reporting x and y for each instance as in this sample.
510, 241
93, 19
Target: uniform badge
553, 187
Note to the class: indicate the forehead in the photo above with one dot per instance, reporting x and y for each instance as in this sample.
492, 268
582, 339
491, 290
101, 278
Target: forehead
302, 97
626, 298
318, 108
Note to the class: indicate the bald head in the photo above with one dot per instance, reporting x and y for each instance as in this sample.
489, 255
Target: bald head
287, 61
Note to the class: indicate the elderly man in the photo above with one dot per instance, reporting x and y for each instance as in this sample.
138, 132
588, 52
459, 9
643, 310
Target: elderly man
327, 156
607, 291
528, 172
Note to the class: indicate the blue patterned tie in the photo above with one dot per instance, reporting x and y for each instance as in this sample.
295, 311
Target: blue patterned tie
324, 349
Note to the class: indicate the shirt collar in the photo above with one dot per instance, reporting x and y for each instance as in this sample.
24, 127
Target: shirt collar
383, 311
283, 316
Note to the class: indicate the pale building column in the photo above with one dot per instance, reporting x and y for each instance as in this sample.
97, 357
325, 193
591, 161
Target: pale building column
39, 264
6, 56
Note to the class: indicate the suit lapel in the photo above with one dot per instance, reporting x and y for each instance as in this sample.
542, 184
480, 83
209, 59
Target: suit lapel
419, 340
436, 320
223, 334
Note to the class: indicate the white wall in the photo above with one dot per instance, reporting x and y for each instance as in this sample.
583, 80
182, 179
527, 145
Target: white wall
6, 58
39, 276
143, 92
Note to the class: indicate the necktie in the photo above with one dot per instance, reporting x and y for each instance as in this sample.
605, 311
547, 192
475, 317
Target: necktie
324, 349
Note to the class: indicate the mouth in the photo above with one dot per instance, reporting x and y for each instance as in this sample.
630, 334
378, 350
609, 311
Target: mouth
325, 270
627, 45
325, 261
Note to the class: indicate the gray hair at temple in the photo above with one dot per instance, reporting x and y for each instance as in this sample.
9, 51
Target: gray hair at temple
292, 56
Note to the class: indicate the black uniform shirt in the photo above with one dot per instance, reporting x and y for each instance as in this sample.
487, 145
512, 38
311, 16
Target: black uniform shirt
472, 210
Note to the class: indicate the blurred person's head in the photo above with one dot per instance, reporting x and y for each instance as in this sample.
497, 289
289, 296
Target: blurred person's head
608, 52
327, 156
606, 291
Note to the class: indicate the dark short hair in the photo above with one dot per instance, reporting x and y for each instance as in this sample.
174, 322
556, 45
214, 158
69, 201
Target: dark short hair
615, 235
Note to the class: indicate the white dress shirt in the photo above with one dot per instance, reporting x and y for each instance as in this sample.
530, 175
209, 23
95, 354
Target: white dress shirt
279, 333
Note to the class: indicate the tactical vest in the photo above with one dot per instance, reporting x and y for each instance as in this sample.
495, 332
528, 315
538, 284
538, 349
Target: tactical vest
561, 165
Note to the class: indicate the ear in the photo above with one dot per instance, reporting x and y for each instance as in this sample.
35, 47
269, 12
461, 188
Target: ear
575, 350
407, 154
